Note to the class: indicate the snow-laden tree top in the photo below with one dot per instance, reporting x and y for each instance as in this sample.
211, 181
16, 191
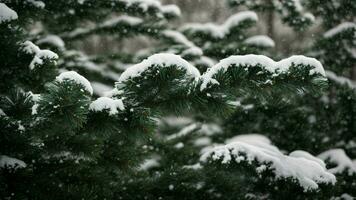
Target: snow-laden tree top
166, 59
264, 62
162, 60
6, 13
77, 78
306, 169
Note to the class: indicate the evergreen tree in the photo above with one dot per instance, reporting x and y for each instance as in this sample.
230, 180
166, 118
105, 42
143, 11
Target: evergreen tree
178, 123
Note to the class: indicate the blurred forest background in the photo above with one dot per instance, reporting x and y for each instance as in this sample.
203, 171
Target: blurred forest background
287, 41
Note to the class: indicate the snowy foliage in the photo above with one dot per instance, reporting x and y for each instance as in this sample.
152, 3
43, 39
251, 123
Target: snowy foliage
39, 55
106, 103
271, 158
219, 31
340, 159
76, 78
6, 161
260, 40
6, 14
340, 80
339, 29
161, 60
266, 63
53, 40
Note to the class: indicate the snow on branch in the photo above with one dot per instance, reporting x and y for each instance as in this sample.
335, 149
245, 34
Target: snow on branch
184, 131
171, 10
340, 159
152, 5
37, 4
260, 41
6, 13
106, 103
39, 55
340, 79
220, 31
339, 29
77, 78
6, 161
302, 167
266, 63
161, 60
179, 38
52, 40
123, 24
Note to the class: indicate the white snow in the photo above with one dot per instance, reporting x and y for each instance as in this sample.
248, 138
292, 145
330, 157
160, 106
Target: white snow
302, 167
178, 37
345, 196
77, 78
78, 31
6, 161
252, 138
340, 28
106, 103
342, 161
81, 1
210, 129
162, 60
100, 89
265, 62
113, 92
194, 167
309, 16
37, 4
206, 61
171, 9
122, 19
183, 132
174, 121
195, 51
116, 21
2, 113
35, 99
6, 13
81, 60
53, 40
39, 54
298, 6
307, 155
143, 4
179, 145
67, 156
340, 79
260, 40
202, 141
149, 163
219, 31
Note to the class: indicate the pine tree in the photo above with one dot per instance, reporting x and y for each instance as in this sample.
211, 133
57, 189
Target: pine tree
178, 123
